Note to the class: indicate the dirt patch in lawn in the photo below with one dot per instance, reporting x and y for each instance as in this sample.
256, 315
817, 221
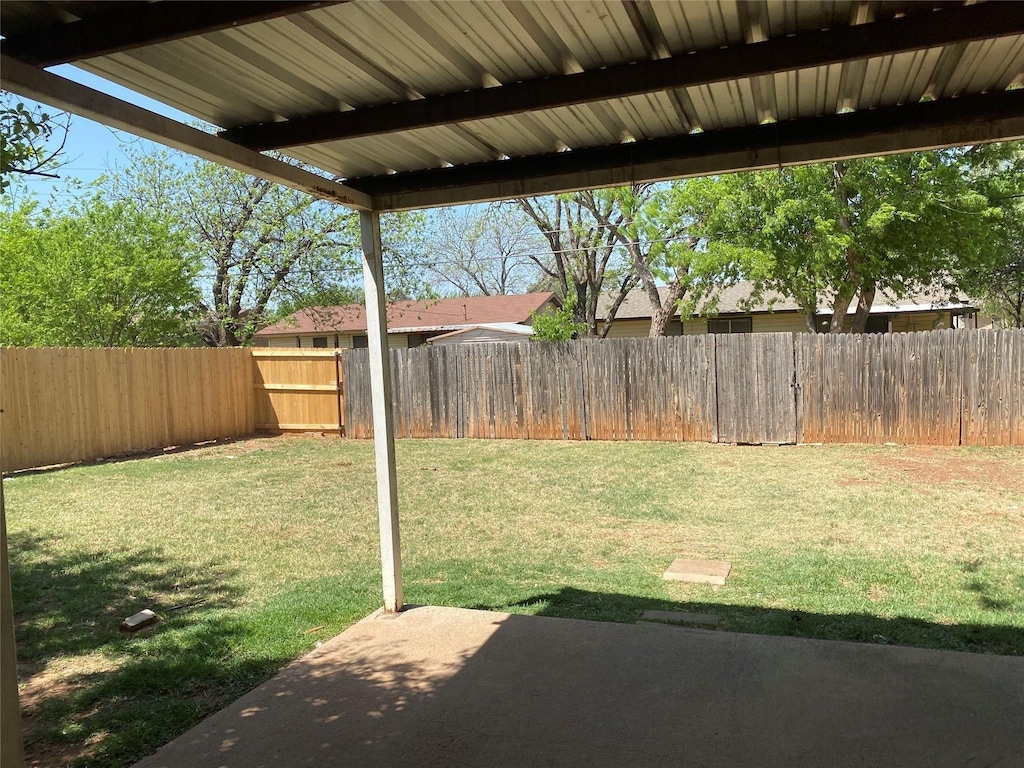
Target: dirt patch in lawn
36, 687
928, 466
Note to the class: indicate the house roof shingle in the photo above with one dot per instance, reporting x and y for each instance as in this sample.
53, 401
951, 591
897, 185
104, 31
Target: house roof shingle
413, 315
733, 300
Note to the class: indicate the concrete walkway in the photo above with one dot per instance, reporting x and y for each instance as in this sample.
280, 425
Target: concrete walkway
452, 687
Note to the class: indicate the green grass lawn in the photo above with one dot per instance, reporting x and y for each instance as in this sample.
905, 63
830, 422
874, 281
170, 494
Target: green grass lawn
252, 552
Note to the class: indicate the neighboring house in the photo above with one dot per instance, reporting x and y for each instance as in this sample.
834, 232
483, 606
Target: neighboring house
779, 314
410, 323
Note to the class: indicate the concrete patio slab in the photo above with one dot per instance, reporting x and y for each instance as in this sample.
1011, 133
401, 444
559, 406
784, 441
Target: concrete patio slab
446, 686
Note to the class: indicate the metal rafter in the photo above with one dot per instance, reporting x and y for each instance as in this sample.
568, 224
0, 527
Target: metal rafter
59, 92
810, 49
926, 125
159, 22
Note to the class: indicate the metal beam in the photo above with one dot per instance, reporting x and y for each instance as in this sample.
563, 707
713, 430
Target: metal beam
61, 93
807, 49
125, 29
927, 125
383, 419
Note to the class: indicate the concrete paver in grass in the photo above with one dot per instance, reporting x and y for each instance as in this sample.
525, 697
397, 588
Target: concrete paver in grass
698, 571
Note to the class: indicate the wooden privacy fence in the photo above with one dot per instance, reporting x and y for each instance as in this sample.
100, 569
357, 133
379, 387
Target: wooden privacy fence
64, 405
947, 387
937, 387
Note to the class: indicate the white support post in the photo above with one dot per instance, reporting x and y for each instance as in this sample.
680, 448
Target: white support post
383, 421
11, 746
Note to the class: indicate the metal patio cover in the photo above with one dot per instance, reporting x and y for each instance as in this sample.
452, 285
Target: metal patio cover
415, 104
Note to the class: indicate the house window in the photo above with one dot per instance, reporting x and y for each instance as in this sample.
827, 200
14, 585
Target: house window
360, 342
418, 339
730, 325
674, 328
319, 342
877, 324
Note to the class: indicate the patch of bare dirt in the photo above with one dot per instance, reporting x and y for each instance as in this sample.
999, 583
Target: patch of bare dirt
55, 756
38, 685
36, 688
930, 466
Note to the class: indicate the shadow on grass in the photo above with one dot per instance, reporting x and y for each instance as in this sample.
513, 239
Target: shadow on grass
571, 603
91, 693
147, 453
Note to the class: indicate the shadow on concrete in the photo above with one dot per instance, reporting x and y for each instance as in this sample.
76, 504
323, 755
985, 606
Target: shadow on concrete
572, 603
448, 686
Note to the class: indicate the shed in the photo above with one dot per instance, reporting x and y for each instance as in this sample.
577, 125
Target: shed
485, 333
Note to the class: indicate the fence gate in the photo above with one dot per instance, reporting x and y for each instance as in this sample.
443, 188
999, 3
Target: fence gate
299, 390
756, 388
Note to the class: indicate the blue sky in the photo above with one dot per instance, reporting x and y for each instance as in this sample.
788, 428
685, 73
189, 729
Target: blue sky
91, 148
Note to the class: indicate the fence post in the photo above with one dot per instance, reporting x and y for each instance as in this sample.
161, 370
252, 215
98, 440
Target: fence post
338, 383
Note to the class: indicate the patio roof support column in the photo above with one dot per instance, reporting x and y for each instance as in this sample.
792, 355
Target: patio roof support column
383, 421
11, 746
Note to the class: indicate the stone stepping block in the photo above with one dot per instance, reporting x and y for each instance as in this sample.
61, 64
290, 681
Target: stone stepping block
680, 617
698, 571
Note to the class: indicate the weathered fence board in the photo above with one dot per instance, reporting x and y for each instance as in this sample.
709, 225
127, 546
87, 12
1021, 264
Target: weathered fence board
881, 388
66, 405
627, 389
992, 407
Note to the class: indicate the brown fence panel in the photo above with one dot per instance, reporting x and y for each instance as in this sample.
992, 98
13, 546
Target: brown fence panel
755, 376
993, 388
65, 405
358, 410
608, 387
875, 388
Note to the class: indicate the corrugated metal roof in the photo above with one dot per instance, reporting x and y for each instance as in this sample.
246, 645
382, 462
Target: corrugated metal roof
360, 54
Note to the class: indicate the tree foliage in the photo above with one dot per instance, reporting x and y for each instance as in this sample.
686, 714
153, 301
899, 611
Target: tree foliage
994, 272
660, 228
96, 274
560, 325
260, 245
25, 136
850, 230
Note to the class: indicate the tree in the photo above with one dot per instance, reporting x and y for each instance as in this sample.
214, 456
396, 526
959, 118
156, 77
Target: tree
849, 230
659, 227
96, 274
259, 244
582, 255
484, 251
995, 274
25, 135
